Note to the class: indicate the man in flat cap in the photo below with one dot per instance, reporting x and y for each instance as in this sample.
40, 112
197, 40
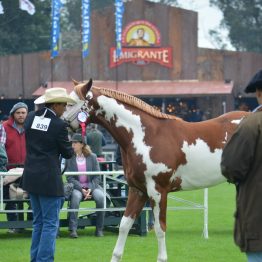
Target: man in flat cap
12, 137
46, 140
255, 86
242, 165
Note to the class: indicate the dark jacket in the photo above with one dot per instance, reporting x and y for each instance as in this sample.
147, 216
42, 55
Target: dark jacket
42, 172
91, 164
96, 140
3, 158
242, 165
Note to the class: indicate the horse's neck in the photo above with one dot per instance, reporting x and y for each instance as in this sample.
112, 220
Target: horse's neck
124, 122
120, 135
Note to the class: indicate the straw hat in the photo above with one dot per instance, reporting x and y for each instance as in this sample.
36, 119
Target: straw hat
54, 95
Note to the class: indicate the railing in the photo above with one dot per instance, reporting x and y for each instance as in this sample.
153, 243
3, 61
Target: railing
113, 176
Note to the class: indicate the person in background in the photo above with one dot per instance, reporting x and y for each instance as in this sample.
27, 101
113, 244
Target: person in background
46, 141
95, 139
3, 159
241, 164
85, 186
12, 136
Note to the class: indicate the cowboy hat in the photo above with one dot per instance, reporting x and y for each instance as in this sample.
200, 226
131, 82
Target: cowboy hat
54, 95
255, 83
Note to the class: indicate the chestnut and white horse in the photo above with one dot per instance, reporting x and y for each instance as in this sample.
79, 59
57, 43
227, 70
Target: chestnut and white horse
161, 153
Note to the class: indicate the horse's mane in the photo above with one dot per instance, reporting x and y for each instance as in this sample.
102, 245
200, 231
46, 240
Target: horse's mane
134, 101
128, 99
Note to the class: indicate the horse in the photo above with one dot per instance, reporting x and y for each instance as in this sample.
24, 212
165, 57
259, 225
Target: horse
161, 153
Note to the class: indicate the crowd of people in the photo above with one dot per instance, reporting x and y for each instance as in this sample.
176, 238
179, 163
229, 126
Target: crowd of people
37, 140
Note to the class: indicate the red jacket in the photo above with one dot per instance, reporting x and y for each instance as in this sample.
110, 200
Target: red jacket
15, 144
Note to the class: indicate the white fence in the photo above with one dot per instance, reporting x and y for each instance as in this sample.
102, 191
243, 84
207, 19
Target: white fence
113, 176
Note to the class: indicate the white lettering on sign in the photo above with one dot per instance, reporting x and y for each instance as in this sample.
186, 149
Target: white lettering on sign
41, 123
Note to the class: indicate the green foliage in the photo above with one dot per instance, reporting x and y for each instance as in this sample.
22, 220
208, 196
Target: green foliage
243, 19
21, 32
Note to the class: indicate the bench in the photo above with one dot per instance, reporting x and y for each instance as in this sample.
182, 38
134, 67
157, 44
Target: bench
111, 223
118, 196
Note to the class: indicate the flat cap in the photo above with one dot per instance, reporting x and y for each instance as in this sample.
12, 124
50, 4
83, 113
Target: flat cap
255, 83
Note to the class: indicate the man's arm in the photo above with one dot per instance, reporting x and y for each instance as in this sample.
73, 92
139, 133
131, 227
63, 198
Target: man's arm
2, 135
238, 153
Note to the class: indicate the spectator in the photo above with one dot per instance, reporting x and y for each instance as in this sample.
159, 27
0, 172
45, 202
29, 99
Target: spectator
241, 164
95, 139
12, 136
85, 186
119, 158
3, 160
46, 139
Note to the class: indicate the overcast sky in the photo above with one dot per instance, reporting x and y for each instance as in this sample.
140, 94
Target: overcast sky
208, 18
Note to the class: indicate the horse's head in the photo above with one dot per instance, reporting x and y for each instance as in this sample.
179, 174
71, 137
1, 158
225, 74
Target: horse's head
84, 102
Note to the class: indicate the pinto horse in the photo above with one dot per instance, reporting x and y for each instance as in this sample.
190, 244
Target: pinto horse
161, 153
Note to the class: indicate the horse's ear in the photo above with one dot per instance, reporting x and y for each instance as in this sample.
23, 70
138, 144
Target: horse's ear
75, 82
89, 84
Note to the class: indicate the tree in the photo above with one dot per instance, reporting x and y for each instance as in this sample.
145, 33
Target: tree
243, 20
21, 32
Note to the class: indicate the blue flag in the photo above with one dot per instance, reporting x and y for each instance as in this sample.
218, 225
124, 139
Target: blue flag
85, 27
118, 25
56, 5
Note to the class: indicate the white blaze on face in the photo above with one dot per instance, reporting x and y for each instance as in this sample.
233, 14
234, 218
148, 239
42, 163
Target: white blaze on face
132, 123
72, 110
202, 168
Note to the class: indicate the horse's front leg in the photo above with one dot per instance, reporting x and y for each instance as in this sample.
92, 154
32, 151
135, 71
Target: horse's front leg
160, 224
135, 203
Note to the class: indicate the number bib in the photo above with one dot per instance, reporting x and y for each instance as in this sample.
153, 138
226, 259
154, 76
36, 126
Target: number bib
41, 123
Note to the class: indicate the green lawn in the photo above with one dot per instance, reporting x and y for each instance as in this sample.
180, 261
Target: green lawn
184, 239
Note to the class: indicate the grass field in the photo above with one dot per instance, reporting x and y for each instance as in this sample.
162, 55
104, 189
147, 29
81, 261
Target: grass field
185, 242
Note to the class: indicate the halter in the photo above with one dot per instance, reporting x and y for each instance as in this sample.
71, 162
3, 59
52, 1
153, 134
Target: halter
83, 108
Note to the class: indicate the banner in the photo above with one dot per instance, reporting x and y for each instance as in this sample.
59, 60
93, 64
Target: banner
27, 6
118, 26
85, 27
1, 8
56, 5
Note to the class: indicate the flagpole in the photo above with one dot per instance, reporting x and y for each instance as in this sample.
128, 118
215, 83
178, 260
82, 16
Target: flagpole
81, 51
86, 32
52, 72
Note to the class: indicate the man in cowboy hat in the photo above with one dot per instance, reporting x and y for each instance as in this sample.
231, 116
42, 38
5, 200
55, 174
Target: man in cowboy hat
46, 140
241, 164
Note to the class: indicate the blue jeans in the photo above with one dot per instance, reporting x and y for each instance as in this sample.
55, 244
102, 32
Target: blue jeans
254, 256
45, 226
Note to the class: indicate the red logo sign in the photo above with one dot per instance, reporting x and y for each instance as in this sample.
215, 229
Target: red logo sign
141, 45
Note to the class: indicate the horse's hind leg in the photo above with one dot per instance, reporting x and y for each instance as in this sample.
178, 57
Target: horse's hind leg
159, 210
135, 203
